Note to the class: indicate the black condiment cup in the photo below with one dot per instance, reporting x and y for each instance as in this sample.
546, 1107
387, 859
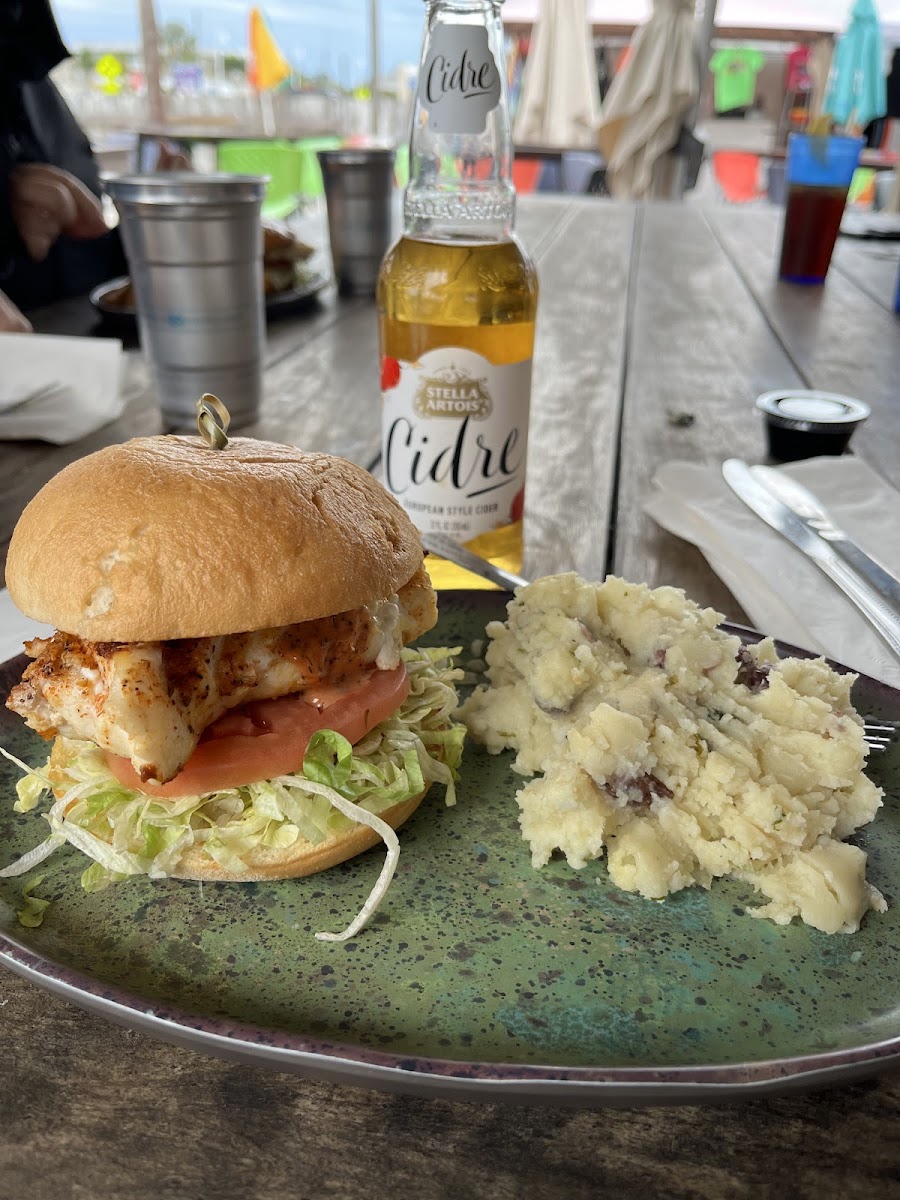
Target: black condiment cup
806, 424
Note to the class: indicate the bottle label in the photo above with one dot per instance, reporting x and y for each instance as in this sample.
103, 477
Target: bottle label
454, 437
460, 83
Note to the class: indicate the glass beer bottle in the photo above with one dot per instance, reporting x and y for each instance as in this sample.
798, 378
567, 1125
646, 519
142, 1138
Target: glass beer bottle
457, 295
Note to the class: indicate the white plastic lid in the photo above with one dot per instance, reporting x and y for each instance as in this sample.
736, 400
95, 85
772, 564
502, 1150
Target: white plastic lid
810, 410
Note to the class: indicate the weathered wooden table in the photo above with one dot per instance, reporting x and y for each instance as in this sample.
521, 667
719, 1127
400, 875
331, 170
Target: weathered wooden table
643, 312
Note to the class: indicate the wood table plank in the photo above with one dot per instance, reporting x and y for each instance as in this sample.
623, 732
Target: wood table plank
539, 218
91, 1110
324, 395
662, 322
698, 345
578, 364
285, 333
837, 336
322, 392
320, 384
26, 466
579, 356
872, 264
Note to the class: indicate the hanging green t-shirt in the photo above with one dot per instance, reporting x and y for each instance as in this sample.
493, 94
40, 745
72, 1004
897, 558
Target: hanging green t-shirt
735, 72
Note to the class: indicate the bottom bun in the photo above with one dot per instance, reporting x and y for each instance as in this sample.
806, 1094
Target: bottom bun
290, 862
303, 858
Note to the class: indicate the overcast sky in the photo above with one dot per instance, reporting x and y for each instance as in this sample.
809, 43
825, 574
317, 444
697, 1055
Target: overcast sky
332, 36
315, 35
779, 14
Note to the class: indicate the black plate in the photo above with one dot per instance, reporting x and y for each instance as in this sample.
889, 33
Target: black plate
124, 317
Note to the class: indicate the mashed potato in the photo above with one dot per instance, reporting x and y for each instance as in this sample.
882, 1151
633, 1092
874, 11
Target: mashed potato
681, 753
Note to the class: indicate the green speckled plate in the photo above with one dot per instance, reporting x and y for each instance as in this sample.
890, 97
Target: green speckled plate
479, 977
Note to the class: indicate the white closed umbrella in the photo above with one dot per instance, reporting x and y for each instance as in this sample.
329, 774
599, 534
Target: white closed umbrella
559, 103
649, 98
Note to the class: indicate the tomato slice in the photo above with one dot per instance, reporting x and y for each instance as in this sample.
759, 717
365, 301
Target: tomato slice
269, 737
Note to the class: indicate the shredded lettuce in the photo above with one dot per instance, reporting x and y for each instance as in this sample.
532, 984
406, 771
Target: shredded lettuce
31, 915
127, 833
30, 788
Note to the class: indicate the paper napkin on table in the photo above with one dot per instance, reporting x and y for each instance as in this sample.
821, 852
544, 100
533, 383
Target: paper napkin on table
782, 591
15, 629
58, 389
871, 225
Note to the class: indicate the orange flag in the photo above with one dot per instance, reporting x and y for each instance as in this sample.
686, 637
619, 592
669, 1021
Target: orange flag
267, 66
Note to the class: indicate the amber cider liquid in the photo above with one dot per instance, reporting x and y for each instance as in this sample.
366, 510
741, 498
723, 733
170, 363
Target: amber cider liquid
481, 296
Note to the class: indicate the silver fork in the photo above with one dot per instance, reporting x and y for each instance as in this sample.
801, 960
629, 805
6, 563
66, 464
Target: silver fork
879, 734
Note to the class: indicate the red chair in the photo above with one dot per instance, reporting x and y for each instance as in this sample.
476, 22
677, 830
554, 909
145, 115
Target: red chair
737, 174
526, 173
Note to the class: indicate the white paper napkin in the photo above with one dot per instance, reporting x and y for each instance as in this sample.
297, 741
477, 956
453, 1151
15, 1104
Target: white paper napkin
784, 593
58, 389
15, 629
871, 224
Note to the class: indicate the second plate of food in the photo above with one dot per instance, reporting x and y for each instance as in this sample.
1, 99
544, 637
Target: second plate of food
114, 300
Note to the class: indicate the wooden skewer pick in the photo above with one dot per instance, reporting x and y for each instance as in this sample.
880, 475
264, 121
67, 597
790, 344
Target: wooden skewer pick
213, 419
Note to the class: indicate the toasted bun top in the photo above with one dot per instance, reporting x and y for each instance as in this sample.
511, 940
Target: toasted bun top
164, 538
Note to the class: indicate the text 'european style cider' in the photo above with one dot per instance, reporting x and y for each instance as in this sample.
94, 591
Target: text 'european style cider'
457, 295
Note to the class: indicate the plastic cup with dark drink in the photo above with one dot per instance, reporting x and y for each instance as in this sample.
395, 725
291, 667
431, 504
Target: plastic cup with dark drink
194, 245
819, 171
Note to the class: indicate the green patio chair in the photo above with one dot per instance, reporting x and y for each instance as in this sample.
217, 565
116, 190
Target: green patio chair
275, 158
310, 174
401, 165
862, 187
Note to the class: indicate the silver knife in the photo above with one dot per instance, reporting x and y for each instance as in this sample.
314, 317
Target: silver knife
813, 513
774, 512
441, 544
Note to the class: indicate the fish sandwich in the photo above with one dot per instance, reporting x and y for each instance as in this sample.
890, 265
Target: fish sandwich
229, 687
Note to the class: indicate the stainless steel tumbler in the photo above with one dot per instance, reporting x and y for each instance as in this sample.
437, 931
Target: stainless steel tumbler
194, 246
359, 185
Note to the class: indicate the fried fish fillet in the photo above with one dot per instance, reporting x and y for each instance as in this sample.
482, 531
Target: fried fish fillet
151, 701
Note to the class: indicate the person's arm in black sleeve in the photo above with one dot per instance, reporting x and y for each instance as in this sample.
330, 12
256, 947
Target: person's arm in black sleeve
11, 248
